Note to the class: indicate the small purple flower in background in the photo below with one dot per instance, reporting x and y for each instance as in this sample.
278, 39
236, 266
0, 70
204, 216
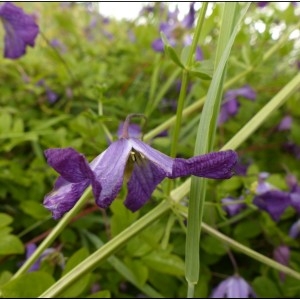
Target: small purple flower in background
20, 30
295, 230
292, 182
142, 167
57, 44
233, 287
270, 199
230, 105
285, 123
30, 248
189, 19
292, 148
262, 4
134, 131
233, 206
52, 97
282, 255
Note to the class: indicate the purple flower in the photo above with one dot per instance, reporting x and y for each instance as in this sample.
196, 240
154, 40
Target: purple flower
282, 255
294, 191
285, 123
20, 30
292, 148
233, 287
230, 105
262, 4
142, 167
189, 19
30, 248
295, 229
232, 206
134, 130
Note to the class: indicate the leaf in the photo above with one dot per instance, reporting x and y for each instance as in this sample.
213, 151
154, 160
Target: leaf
29, 285
10, 244
100, 294
171, 51
203, 69
78, 286
5, 220
164, 262
34, 209
265, 288
212, 246
247, 229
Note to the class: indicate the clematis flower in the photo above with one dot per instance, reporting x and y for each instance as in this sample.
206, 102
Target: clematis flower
127, 158
20, 30
285, 123
233, 287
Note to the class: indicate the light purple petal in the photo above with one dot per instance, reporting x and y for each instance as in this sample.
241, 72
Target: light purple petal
70, 164
189, 19
30, 248
274, 202
216, 165
64, 196
247, 92
294, 230
231, 207
285, 123
158, 45
221, 290
143, 181
161, 160
134, 130
20, 30
109, 170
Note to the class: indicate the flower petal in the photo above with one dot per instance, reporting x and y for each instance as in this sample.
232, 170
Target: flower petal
274, 202
70, 164
20, 30
109, 170
216, 165
159, 159
64, 196
143, 181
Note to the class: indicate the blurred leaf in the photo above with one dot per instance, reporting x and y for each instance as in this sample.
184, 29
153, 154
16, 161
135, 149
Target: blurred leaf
5, 220
10, 244
80, 285
29, 285
213, 246
34, 209
203, 69
265, 288
100, 295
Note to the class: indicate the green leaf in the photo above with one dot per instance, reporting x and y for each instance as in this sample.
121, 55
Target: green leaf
5, 277
265, 288
10, 244
100, 294
212, 246
34, 209
171, 51
5, 220
78, 286
164, 262
247, 229
29, 285
203, 69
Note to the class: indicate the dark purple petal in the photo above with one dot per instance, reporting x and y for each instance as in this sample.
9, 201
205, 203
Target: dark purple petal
70, 164
199, 54
64, 196
274, 202
216, 165
247, 92
143, 181
20, 30
262, 4
30, 248
109, 170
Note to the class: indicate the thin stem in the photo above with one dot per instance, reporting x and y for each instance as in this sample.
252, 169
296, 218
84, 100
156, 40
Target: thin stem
54, 233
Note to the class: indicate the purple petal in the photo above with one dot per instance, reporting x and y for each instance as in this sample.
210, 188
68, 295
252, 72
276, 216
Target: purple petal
134, 130
30, 248
143, 181
70, 164
231, 207
285, 123
189, 19
247, 92
20, 30
161, 160
294, 230
199, 54
282, 255
216, 165
109, 170
158, 45
64, 196
274, 202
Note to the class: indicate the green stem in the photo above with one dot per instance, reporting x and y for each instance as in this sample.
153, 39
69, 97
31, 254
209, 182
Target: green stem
53, 234
107, 250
